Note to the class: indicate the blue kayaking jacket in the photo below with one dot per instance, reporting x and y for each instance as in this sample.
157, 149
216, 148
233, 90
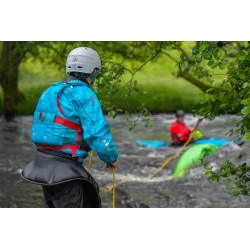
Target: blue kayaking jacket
69, 118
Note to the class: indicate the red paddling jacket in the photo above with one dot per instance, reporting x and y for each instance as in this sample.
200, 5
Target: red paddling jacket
179, 132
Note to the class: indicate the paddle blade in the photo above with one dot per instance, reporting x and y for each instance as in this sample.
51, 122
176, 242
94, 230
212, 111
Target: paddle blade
197, 134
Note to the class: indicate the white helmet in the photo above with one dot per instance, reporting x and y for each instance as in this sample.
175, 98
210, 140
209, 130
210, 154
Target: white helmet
83, 60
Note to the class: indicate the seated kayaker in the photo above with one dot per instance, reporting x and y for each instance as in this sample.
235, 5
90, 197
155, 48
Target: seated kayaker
179, 130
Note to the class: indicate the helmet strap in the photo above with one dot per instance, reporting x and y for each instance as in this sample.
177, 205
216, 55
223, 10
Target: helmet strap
93, 77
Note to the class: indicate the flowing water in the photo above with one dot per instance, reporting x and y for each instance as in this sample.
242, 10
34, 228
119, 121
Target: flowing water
136, 163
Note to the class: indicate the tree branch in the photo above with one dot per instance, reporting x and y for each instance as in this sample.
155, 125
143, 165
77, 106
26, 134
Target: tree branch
147, 61
185, 75
139, 68
204, 87
59, 53
118, 64
132, 51
171, 57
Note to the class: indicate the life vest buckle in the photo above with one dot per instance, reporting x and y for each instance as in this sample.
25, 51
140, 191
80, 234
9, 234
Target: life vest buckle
73, 148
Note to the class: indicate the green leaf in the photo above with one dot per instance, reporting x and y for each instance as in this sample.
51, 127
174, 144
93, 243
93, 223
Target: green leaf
223, 105
227, 181
238, 183
245, 101
199, 59
216, 53
222, 66
207, 172
237, 193
225, 61
182, 56
192, 58
209, 90
244, 192
195, 50
182, 64
202, 48
213, 66
232, 188
247, 136
243, 76
210, 63
207, 55
234, 80
111, 113
245, 110
241, 56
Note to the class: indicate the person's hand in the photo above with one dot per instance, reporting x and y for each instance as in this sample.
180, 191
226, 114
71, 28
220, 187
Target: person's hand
193, 128
113, 165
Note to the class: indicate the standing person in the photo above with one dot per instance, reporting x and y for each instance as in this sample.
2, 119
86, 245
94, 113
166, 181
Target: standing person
179, 130
68, 123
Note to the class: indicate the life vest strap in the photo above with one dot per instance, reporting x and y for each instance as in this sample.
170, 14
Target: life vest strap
66, 122
71, 125
58, 105
73, 148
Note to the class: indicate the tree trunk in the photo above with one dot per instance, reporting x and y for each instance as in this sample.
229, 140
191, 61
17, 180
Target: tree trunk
9, 69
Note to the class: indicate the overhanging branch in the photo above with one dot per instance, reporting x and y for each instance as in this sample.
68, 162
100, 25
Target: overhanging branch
185, 75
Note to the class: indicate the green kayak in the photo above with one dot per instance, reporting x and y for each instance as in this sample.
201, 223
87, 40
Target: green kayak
192, 155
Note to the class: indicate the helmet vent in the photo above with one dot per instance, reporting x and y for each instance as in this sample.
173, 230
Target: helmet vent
69, 67
79, 67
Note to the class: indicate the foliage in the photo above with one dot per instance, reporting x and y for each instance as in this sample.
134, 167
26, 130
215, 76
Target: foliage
238, 175
231, 95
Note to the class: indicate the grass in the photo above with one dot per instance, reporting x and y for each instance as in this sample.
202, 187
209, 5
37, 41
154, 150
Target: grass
166, 97
165, 92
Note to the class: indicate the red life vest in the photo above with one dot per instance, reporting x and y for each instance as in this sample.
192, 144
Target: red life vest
179, 132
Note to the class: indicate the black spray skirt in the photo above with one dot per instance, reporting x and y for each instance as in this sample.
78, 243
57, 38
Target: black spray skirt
51, 168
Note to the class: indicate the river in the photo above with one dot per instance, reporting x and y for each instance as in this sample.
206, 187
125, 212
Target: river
135, 164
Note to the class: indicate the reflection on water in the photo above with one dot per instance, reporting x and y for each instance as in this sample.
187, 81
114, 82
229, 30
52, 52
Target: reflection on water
136, 163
